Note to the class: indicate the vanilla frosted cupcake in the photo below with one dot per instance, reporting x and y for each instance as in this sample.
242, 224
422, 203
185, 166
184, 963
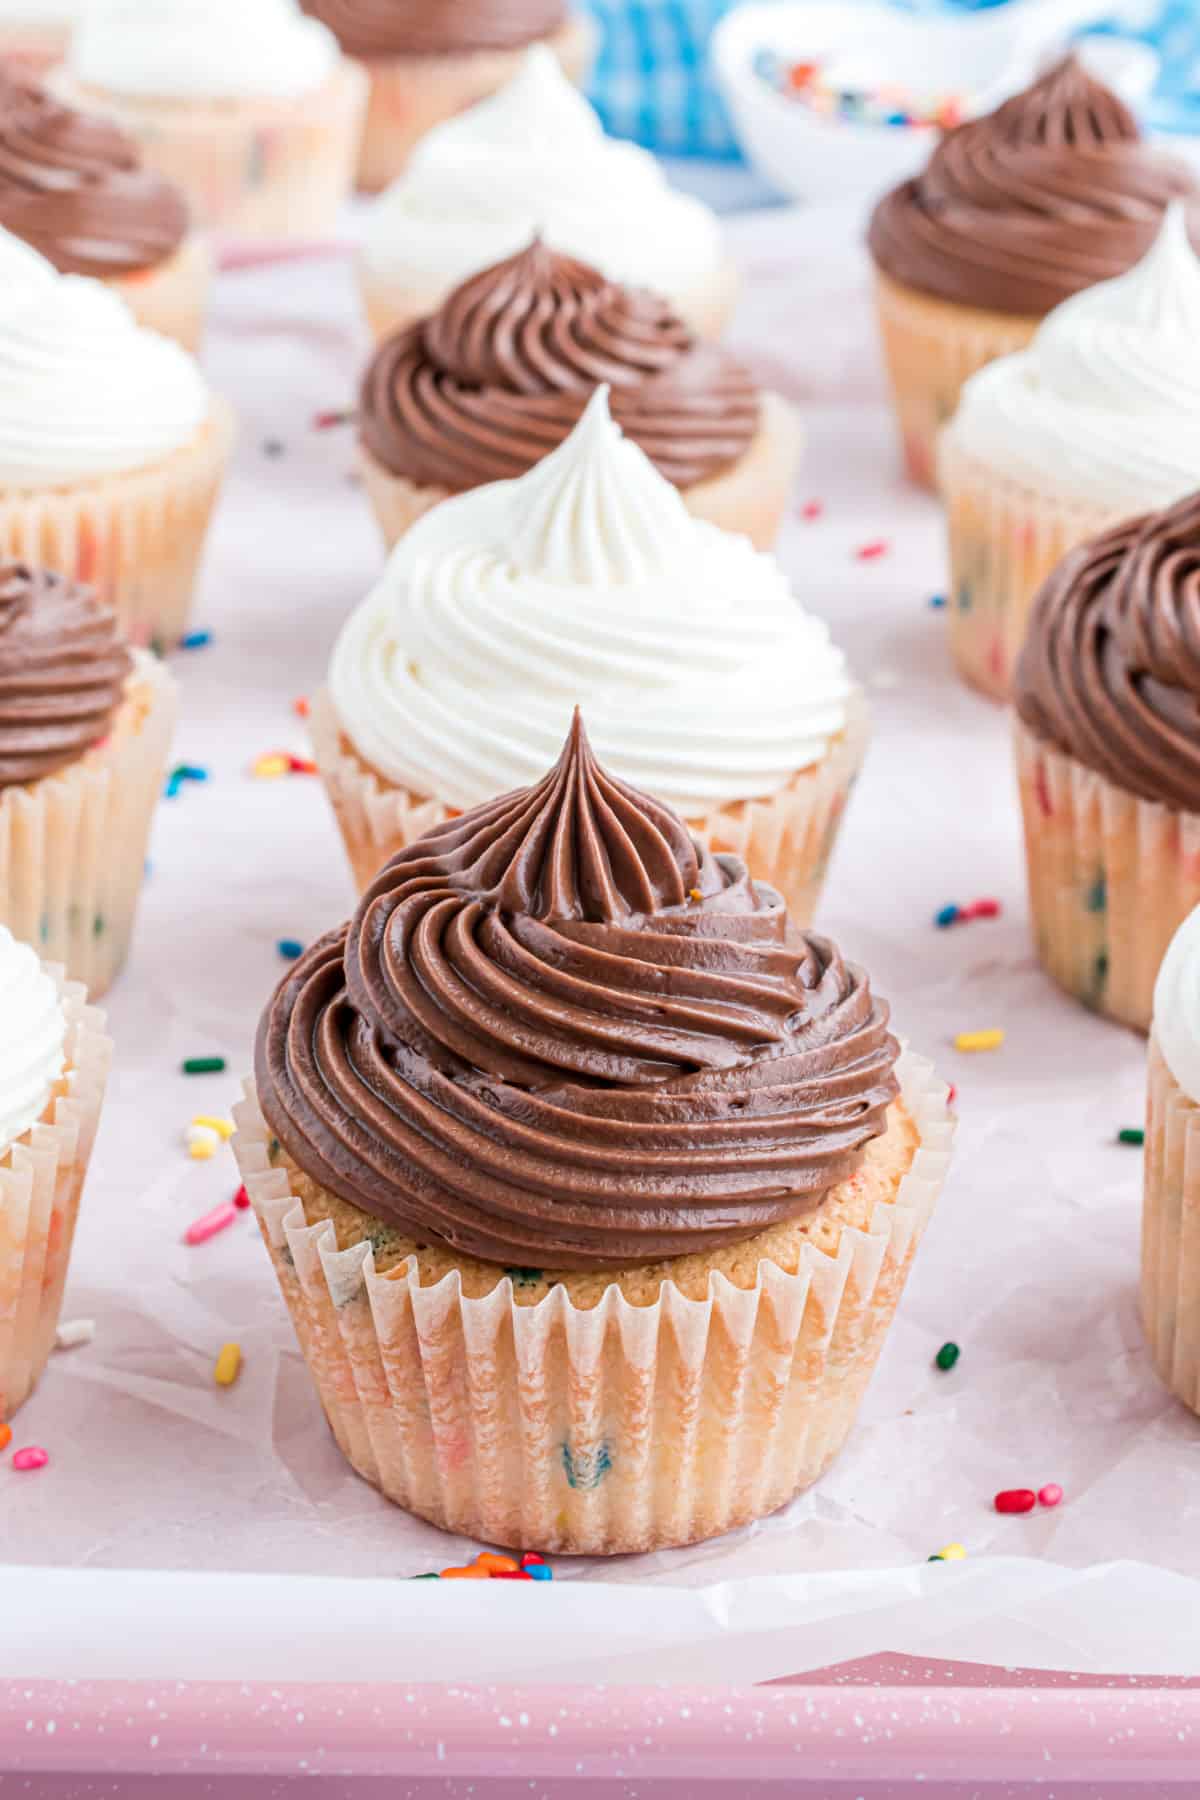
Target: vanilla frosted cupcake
534, 158
72, 185
112, 448
54, 1063
1108, 751
587, 581
591, 1184
1097, 421
1171, 1200
1016, 212
251, 109
501, 374
428, 59
34, 34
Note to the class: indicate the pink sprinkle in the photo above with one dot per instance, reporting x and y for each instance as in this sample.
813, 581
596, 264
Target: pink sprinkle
812, 509
983, 909
871, 552
33, 1458
1051, 1494
242, 1199
200, 1230
951, 1094
326, 421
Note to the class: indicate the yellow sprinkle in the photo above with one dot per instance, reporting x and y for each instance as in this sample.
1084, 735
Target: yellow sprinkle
224, 1128
228, 1365
202, 1150
979, 1040
953, 1553
266, 768
695, 894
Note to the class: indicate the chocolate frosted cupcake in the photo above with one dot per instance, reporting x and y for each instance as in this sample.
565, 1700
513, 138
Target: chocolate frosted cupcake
72, 185
591, 1184
501, 374
85, 733
1108, 751
428, 59
1016, 212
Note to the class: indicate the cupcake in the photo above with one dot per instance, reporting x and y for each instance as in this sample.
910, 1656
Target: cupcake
1097, 421
1015, 213
55, 1059
1171, 1197
251, 110
85, 734
1108, 752
72, 185
112, 449
429, 59
590, 1181
587, 580
534, 158
34, 34
502, 371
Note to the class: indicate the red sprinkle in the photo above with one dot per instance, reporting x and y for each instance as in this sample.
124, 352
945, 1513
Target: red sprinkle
300, 706
983, 909
33, 1458
870, 552
510, 1575
812, 509
530, 1558
952, 1093
325, 421
200, 1230
242, 1199
1016, 1500
301, 765
1051, 1494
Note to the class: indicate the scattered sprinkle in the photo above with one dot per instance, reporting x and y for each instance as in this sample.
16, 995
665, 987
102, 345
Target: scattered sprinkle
937, 602
873, 551
984, 909
200, 1230
947, 1356
302, 765
511, 1575
952, 1553
270, 766
32, 1458
961, 915
812, 509
290, 949
181, 773
202, 1144
204, 1065
496, 1563
228, 1365
301, 706
242, 1199
493, 1565
273, 447
952, 1093
5, 1435
979, 1040
195, 640
540, 1571
326, 421
472, 1572
1015, 1500
73, 1333
1051, 1494
1131, 1134
695, 894
935, 1559
224, 1128
949, 915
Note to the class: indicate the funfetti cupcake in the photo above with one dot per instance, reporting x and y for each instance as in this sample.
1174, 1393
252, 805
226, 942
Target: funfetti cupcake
588, 581
1170, 1287
501, 373
112, 448
534, 158
1097, 421
1108, 752
591, 1183
34, 34
251, 109
429, 59
1016, 212
54, 1063
72, 185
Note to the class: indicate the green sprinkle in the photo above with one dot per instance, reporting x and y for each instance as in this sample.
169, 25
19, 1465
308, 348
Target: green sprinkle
947, 1356
524, 1277
1097, 895
935, 1559
430, 1577
204, 1065
273, 1150
1131, 1134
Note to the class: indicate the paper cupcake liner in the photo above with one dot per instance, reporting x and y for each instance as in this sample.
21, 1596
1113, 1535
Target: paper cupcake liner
1170, 1288
1004, 540
41, 1179
411, 94
34, 49
73, 847
930, 348
1111, 879
787, 839
751, 498
172, 298
136, 538
250, 168
612, 1428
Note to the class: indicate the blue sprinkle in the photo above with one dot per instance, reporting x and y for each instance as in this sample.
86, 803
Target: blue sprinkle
540, 1572
192, 772
195, 640
174, 783
290, 949
586, 1469
937, 601
949, 915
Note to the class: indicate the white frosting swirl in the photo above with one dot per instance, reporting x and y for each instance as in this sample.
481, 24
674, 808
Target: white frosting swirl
1104, 406
22, 268
534, 158
202, 49
85, 391
33, 1036
1177, 1007
701, 677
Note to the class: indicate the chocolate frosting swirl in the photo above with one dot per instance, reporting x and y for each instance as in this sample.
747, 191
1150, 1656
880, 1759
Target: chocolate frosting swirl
501, 373
436, 27
63, 669
1110, 672
559, 1034
72, 185
1018, 210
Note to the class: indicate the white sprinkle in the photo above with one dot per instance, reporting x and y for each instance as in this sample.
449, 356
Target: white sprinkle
74, 1332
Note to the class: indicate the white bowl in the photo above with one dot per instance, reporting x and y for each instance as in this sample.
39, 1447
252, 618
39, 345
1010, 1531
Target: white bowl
986, 55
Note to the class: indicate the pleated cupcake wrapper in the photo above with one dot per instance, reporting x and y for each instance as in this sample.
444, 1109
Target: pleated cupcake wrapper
750, 498
931, 348
1111, 879
73, 847
787, 839
172, 298
250, 168
1004, 541
136, 538
411, 94
1170, 1287
41, 1179
596, 1431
